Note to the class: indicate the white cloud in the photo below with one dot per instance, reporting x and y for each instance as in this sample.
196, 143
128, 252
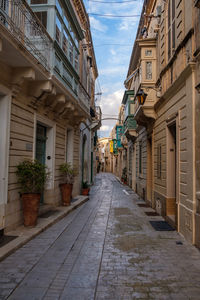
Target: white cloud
112, 70
105, 128
113, 52
97, 25
110, 105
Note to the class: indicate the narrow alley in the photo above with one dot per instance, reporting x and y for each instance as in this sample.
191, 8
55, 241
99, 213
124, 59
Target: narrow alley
105, 249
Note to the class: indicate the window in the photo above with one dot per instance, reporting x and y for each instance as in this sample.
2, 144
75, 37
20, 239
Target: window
159, 161
75, 87
76, 42
70, 51
57, 63
148, 52
69, 146
66, 23
65, 42
76, 60
149, 70
59, 8
38, 1
58, 30
67, 76
42, 16
140, 158
171, 27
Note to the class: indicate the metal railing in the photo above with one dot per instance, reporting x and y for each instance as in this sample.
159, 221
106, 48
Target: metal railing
98, 113
84, 98
18, 18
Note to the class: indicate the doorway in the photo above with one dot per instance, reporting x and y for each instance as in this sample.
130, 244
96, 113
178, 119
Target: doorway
5, 107
40, 151
149, 170
171, 206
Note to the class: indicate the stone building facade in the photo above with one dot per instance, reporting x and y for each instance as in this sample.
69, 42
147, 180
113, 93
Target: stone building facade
47, 81
164, 77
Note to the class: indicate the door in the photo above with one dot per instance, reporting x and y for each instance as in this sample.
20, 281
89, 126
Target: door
171, 206
149, 170
4, 154
40, 153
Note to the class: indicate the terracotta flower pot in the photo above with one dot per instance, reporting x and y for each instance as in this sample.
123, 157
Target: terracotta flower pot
85, 192
66, 190
31, 204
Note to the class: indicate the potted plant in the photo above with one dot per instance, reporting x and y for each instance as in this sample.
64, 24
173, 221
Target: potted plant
68, 174
124, 175
85, 188
32, 176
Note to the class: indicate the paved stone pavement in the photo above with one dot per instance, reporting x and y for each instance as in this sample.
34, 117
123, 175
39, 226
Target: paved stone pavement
106, 249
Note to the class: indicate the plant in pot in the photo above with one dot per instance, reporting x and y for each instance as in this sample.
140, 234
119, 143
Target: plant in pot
32, 177
124, 175
85, 188
68, 174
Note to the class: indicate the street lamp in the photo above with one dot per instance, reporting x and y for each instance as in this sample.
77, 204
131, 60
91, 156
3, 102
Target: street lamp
197, 87
141, 97
197, 3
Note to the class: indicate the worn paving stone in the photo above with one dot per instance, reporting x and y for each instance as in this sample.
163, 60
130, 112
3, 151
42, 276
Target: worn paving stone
106, 249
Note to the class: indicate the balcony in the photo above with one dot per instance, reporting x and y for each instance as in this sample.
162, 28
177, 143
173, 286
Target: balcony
124, 141
130, 126
84, 99
144, 112
119, 133
20, 26
96, 117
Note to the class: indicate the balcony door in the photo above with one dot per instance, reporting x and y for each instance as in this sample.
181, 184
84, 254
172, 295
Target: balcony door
5, 103
171, 206
40, 153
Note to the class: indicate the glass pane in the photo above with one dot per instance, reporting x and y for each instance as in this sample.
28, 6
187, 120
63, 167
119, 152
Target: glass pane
71, 52
66, 22
58, 30
65, 42
149, 70
42, 16
38, 1
58, 6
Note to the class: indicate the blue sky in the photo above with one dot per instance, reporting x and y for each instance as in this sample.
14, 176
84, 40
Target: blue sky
113, 39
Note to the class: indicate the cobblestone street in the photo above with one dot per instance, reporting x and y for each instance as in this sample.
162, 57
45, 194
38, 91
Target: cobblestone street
105, 249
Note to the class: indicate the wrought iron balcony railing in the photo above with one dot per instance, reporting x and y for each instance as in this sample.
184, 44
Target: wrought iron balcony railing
98, 113
18, 18
84, 98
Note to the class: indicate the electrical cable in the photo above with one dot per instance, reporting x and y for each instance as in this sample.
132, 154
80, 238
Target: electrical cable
116, 2
123, 45
113, 16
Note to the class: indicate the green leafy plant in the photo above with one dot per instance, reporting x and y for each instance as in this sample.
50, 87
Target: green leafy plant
32, 176
68, 173
124, 174
85, 185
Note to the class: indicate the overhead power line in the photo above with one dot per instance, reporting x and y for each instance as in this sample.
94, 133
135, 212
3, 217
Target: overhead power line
113, 16
123, 45
112, 1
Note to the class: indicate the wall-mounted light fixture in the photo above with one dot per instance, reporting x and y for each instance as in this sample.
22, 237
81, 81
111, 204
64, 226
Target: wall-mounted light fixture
197, 3
141, 97
197, 87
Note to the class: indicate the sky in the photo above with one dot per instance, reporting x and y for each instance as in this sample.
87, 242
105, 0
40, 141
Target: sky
113, 39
